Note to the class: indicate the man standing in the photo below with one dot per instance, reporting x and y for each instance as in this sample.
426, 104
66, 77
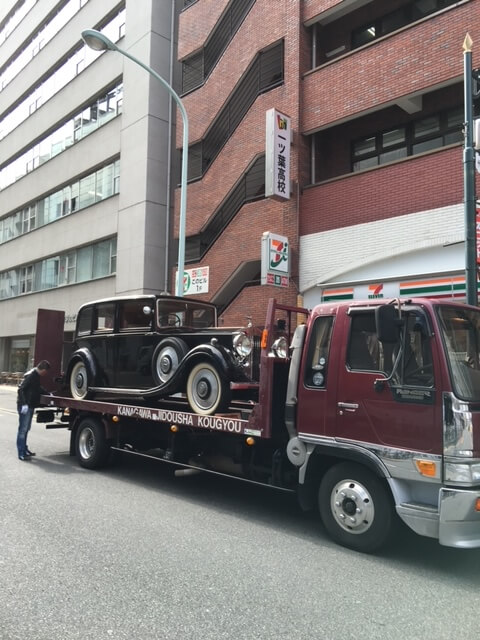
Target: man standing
28, 397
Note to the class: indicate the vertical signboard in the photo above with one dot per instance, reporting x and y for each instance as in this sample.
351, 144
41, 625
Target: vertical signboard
275, 268
277, 155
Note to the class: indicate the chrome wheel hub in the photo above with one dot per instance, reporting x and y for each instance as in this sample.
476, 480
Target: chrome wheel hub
352, 506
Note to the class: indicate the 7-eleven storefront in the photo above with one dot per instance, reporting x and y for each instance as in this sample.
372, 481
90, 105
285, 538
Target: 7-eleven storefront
449, 287
435, 272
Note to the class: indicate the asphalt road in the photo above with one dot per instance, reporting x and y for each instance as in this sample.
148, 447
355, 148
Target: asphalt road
133, 552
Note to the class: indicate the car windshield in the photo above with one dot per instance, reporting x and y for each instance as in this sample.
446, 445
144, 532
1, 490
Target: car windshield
461, 336
185, 313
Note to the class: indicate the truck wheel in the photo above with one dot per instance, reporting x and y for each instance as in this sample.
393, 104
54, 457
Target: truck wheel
166, 358
355, 507
79, 381
207, 391
91, 447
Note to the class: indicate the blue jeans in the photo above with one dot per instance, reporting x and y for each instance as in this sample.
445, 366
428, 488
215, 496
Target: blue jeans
24, 424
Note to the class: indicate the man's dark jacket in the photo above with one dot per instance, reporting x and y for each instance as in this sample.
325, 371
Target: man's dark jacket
30, 389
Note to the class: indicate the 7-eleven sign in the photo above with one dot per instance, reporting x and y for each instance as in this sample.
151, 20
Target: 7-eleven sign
275, 260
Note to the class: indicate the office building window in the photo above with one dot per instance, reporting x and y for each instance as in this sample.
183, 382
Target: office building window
93, 188
79, 265
424, 134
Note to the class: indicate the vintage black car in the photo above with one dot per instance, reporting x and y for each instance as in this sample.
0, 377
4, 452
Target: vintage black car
158, 346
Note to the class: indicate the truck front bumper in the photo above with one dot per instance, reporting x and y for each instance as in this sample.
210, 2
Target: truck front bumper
459, 524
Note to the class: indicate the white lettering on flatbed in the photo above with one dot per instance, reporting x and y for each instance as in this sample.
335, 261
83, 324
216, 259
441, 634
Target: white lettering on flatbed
214, 423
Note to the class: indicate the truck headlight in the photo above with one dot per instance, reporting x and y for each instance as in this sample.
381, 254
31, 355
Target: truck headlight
242, 344
462, 473
280, 347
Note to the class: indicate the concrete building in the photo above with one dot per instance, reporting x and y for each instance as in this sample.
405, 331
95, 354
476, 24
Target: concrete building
85, 174
374, 91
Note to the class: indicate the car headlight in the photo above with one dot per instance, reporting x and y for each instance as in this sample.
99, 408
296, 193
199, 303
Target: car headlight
242, 344
280, 347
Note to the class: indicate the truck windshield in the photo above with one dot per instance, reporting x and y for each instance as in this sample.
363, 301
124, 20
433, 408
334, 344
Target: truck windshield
461, 336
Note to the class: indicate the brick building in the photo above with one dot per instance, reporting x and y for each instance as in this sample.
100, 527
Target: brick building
374, 91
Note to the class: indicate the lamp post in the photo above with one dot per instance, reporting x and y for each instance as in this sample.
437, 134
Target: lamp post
469, 179
99, 42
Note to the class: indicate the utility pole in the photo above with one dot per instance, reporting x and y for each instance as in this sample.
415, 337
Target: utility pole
469, 179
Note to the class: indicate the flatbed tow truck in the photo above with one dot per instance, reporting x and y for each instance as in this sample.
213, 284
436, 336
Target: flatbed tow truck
372, 415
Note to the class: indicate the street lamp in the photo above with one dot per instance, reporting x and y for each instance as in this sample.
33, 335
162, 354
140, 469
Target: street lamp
99, 42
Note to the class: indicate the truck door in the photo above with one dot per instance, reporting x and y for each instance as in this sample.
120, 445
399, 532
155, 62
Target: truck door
317, 378
380, 402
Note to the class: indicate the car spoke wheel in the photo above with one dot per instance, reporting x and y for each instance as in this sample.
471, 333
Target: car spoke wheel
355, 507
207, 391
166, 359
79, 381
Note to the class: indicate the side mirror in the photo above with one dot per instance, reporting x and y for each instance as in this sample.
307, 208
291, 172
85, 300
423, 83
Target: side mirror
387, 323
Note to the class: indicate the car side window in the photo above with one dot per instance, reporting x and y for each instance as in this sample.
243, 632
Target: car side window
84, 323
132, 315
318, 351
105, 317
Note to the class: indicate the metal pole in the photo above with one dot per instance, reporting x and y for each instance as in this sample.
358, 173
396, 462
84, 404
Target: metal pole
469, 179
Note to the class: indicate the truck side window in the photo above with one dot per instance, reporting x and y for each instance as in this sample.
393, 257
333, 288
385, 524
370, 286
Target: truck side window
365, 351
318, 350
417, 366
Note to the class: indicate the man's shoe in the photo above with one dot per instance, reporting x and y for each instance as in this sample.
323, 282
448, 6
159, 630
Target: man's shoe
24, 458
30, 453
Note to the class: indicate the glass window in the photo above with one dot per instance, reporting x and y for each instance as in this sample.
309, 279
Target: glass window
318, 352
391, 156
26, 279
67, 268
461, 336
427, 145
87, 191
84, 321
131, 315
50, 273
105, 317
84, 264
364, 348
104, 183
416, 367
393, 137
101, 259
367, 145
364, 35
426, 126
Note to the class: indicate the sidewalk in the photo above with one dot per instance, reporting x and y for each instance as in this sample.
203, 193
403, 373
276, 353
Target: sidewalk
9, 387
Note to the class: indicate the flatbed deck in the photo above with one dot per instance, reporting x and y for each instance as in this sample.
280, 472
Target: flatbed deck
168, 414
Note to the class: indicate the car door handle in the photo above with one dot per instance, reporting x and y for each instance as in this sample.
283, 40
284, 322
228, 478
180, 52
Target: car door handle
348, 406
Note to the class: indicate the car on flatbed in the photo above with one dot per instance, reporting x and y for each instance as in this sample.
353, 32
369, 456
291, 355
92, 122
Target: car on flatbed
158, 346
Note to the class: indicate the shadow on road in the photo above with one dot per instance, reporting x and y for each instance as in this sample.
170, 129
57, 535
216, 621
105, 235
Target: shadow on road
279, 510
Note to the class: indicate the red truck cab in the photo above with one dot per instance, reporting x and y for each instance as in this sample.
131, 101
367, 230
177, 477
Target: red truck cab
387, 399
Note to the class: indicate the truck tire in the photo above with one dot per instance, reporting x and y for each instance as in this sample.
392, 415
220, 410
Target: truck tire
79, 380
167, 356
207, 390
355, 507
91, 446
